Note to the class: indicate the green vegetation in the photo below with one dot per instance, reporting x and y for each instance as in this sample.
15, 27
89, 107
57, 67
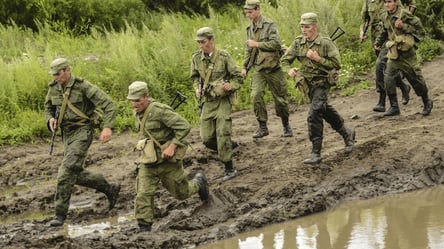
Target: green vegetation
156, 50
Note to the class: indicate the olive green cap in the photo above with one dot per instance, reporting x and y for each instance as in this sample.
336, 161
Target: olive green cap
204, 33
57, 65
252, 4
309, 18
136, 90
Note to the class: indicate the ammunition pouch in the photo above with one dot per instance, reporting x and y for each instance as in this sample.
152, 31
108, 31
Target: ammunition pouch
404, 42
268, 60
147, 150
392, 50
216, 89
179, 154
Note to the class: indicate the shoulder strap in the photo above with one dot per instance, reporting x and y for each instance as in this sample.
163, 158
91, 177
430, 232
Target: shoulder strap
63, 108
142, 124
210, 68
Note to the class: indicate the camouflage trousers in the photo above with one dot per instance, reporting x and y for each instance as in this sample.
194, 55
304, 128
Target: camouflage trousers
75, 144
408, 65
216, 127
277, 84
173, 178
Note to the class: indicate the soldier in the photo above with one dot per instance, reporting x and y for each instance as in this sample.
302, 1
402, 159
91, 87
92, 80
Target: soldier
167, 130
215, 78
371, 17
317, 55
263, 51
400, 31
77, 99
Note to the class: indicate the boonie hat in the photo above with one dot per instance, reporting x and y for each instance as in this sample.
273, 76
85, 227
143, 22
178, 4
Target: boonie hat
204, 33
57, 65
309, 18
136, 90
252, 4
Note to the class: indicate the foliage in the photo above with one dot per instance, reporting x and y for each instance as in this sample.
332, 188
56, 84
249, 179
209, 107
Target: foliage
155, 48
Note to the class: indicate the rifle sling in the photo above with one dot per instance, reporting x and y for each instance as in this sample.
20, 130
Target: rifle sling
210, 69
254, 51
142, 124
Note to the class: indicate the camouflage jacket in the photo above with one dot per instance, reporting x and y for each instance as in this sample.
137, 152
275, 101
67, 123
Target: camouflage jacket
269, 41
84, 96
164, 124
411, 25
225, 69
310, 70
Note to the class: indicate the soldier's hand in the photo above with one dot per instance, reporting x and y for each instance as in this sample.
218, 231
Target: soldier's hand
313, 55
198, 92
252, 44
362, 36
106, 135
169, 151
227, 86
399, 24
52, 124
244, 72
293, 72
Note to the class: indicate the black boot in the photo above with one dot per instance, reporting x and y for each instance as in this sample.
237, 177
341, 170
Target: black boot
380, 107
112, 194
428, 105
349, 138
229, 171
315, 156
262, 131
405, 91
288, 132
394, 108
201, 180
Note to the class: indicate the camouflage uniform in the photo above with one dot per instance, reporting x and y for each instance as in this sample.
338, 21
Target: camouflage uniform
313, 78
164, 125
371, 11
406, 62
77, 138
266, 73
215, 119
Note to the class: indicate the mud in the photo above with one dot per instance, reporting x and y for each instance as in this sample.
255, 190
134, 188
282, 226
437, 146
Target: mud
392, 155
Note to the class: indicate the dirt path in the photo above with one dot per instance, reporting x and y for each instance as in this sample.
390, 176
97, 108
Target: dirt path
392, 155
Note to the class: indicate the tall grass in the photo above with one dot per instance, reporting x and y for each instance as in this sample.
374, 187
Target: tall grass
157, 52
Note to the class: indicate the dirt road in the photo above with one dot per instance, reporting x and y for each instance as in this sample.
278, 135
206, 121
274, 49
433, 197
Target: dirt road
392, 155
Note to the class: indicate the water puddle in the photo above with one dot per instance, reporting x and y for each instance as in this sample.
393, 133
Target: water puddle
409, 221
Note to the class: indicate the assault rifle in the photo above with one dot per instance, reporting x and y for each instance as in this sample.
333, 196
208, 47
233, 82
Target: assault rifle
364, 30
56, 117
201, 86
337, 33
178, 100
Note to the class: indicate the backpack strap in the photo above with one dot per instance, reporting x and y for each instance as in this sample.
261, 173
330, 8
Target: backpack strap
142, 124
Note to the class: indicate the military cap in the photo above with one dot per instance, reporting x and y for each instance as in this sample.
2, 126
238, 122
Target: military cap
251, 4
136, 90
58, 64
309, 18
204, 33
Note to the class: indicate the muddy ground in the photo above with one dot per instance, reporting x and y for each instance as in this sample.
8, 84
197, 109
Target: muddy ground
392, 155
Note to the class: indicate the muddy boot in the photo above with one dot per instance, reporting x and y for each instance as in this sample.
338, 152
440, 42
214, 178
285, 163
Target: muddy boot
112, 194
428, 105
57, 221
394, 108
380, 107
349, 138
405, 91
229, 171
315, 156
262, 131
288, 132
201, 180
144, 226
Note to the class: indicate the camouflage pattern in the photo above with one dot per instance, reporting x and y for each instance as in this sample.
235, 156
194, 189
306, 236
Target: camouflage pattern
163, 124
313, 77
77, 140
407, 62
215, 120
269, 46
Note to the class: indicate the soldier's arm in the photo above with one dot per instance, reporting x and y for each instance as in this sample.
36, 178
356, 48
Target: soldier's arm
103, 101
273, 42
289, 57
236, 79
177, 123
